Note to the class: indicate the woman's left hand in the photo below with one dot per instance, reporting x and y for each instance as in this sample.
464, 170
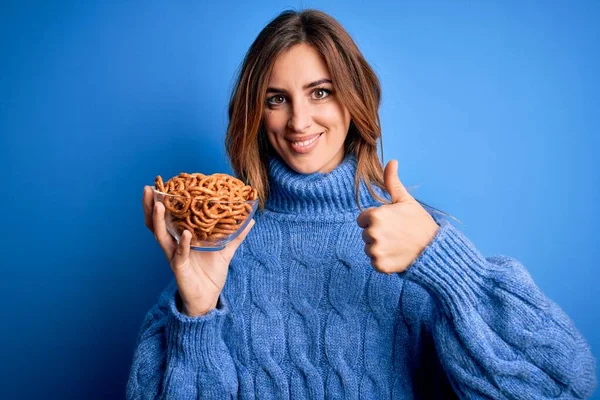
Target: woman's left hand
395, 234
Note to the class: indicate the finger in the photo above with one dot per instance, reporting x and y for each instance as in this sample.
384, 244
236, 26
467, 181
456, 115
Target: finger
392, 183
147, 205
375, 261
369, 250
182, 253
229, 251
166, 241
366, 236
364, 219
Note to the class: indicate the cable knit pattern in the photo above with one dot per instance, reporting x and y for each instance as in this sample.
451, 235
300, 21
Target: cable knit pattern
346, 286
383, 293
266, 321
304, 323
234, 327
303, 315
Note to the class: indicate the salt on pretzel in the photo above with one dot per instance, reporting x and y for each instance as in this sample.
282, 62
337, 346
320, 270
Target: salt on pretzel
209, 206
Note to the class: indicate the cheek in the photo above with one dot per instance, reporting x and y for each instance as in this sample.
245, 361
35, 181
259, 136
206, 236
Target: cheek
274, 120
333, 114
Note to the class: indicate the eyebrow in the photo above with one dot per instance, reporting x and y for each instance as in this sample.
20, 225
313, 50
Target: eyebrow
308, 86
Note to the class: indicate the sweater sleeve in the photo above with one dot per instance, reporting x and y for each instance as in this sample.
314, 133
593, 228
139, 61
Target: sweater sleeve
496, 335
181, 357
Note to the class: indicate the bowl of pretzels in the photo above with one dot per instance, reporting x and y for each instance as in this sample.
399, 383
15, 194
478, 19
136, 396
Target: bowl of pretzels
214, 208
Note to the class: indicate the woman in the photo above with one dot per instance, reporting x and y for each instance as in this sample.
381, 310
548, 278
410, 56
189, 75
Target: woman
346, 286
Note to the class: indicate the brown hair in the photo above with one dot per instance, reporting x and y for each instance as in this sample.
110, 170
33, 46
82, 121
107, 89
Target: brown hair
354, 81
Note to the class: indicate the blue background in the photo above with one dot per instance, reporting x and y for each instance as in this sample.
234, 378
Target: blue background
491, 108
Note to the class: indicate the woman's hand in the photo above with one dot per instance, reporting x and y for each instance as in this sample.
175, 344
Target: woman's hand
396, 234
200, 276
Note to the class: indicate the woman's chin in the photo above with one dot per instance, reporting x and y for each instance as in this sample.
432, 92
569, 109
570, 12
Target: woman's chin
305, 170
305, 167
313, 162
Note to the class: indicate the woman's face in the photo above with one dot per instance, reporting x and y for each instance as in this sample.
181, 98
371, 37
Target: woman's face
305, 122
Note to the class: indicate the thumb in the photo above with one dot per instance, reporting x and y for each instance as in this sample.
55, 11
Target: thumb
392, 183
235, 243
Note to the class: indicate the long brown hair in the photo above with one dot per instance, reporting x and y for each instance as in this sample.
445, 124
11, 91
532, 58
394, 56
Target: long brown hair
354, 81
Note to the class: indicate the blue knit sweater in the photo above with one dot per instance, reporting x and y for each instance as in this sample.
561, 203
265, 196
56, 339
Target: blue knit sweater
303, 315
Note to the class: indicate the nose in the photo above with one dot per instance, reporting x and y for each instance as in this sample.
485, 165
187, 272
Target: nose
300, 119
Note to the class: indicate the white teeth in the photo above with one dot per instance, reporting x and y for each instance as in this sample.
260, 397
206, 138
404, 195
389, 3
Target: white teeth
306, 142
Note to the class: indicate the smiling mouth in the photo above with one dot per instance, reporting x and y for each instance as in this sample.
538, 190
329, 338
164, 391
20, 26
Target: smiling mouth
305, 142
305, 146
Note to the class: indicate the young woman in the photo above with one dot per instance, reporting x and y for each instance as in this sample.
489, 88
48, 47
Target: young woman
346, 286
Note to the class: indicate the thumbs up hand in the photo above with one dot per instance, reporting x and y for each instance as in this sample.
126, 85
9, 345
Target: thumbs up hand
395, 234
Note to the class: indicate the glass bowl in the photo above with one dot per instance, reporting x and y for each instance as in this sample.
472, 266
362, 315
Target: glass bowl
213, 224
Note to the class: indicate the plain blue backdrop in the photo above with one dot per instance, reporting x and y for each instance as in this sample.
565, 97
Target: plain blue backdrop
491, 108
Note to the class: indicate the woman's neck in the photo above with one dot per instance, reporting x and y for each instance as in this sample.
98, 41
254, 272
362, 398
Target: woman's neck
317, 193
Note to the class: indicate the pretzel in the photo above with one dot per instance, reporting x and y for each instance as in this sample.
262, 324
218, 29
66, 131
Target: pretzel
211, 207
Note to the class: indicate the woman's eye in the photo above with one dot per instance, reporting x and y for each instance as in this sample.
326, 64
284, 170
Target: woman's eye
278, 99
321, 93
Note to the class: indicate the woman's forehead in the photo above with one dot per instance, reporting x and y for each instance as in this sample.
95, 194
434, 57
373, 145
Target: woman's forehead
299, 66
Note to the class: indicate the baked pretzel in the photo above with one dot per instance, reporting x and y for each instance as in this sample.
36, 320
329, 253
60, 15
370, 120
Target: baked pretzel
211, 207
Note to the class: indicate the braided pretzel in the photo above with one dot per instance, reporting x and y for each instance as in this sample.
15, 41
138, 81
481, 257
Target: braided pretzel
211, 207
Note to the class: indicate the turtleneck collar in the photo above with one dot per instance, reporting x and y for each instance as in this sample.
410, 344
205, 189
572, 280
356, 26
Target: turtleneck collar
317, 193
